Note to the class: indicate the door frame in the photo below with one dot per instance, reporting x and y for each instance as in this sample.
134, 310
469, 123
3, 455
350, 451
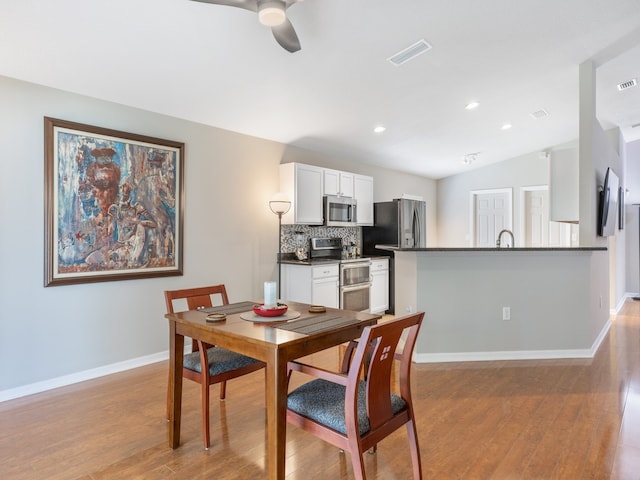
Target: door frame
472, 209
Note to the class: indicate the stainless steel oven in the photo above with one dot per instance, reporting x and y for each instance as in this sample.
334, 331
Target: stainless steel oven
355, 284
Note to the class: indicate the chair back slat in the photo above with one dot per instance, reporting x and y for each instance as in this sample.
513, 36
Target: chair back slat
201, 301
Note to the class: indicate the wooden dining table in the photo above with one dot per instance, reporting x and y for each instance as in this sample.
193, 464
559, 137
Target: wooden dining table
274, 343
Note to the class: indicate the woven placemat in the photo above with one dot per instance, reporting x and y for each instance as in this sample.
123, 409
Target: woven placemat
230, 309
317, 324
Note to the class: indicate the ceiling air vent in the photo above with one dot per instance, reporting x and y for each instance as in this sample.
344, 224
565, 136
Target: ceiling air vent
539, 113
628, 84
409, 53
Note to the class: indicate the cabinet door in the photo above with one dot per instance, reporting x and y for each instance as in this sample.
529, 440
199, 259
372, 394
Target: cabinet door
296, 283
308, 200
303, 184
331, 182
326, 292
346, 184
338, 183
363, 193
379, 293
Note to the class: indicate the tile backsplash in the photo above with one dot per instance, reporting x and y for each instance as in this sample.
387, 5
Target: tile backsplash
294, 236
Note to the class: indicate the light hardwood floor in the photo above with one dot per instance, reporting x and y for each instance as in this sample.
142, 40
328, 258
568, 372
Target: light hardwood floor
568, 419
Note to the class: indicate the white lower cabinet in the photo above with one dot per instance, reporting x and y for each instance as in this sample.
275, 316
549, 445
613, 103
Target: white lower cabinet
379, 293
312, 284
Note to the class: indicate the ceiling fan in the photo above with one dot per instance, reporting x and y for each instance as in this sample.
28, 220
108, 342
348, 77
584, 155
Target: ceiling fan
271, 13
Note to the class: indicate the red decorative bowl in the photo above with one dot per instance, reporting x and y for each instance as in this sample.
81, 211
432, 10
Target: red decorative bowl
276, 311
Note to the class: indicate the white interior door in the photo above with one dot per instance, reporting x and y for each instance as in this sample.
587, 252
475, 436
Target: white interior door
492, 213
536, 218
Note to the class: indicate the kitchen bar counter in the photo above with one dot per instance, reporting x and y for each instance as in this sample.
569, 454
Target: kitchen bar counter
508, 303
392, 248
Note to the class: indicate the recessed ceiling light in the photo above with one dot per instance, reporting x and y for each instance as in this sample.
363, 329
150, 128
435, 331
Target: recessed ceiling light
506, 126
472, 105
379, 129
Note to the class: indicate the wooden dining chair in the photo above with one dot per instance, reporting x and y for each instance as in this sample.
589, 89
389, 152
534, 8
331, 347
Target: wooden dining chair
222, 364
356, 408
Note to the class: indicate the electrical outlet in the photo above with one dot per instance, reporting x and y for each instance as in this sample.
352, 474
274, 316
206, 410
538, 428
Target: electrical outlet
506, 313
409, 309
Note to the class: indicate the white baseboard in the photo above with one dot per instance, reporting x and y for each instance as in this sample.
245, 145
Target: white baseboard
627, 296
78, 377
514, 355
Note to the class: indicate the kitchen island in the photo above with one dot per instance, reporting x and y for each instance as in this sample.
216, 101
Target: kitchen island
504, 303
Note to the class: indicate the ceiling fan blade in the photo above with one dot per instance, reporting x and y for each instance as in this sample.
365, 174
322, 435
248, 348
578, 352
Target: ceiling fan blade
286, 36
246, 4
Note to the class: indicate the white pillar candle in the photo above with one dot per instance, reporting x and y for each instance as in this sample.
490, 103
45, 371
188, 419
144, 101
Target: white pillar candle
269, 294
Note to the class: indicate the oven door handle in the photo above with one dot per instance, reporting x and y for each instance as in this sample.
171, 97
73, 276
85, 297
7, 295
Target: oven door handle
357, 264
359, 286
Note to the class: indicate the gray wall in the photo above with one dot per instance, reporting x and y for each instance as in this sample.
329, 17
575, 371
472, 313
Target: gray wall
230, 236
454, 194
553, 297
454, 206
632, 157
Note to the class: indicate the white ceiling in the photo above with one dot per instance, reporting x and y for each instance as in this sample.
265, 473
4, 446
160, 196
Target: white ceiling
217, 65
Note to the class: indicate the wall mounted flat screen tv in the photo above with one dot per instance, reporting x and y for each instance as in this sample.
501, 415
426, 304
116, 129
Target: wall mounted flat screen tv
608, 204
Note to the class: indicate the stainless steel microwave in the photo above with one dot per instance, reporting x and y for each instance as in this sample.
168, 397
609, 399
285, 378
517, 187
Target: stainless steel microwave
340, 211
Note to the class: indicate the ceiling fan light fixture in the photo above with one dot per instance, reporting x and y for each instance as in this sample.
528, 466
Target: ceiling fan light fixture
271, 13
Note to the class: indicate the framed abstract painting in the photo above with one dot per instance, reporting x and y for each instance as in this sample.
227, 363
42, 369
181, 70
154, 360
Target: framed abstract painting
113, 204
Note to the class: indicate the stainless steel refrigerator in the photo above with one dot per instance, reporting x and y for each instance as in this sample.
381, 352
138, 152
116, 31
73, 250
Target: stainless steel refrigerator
401, 223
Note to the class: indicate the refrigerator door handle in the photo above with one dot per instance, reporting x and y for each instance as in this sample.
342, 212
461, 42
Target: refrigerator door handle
417, 230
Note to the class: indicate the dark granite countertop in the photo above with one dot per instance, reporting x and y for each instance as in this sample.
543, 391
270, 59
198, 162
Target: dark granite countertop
392, 248
321, 261
292, 260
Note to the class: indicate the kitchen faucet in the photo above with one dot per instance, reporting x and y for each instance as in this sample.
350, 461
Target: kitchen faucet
513, 242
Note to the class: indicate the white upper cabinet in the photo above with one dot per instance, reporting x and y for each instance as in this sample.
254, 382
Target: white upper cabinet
303, 185
363, 193
338, 183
